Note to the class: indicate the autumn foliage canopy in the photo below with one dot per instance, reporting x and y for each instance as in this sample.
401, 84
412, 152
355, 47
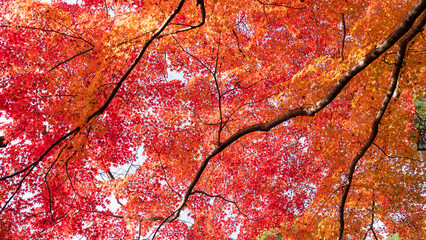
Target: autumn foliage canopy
206, 119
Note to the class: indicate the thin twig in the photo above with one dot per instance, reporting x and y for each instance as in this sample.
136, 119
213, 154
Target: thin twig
43, 30
280, 5
372, 220
221, 197
371, 227
193, 56
71, 58
47, 184
343, 37
238, 42
219, 95
389, 156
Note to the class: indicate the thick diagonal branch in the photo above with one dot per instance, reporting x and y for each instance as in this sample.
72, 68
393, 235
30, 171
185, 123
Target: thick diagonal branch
375, 126
402, 28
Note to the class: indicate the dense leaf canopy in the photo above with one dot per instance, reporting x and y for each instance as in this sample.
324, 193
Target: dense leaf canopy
205, 119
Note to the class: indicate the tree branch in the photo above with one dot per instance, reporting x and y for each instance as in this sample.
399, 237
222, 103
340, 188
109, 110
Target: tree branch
280, 5
71, 58
402, 28
46, 30
75, 130
238, 42
389, 156
140, 230
3, 142
221, 197
371, 223
375, 126
344, 36
219, 95
199, 24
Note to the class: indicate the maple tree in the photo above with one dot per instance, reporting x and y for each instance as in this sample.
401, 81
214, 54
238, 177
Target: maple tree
202, 119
